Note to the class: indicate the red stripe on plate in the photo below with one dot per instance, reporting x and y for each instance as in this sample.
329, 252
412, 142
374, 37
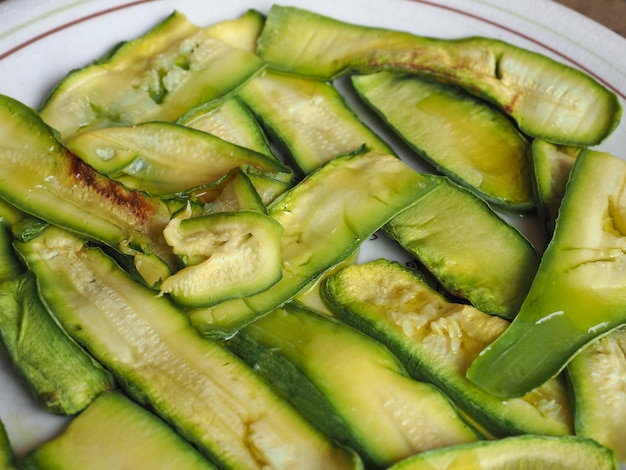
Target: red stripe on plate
622, 94
528, 38
50, 32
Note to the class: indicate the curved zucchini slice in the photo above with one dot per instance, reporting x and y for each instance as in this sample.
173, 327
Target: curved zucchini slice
212, 398
547, 453
471, 251
309, 119
387, 416
546, 98
115, 432
162, 158
230, 120
597, 376
236, 254
156, 77
579, 292
436, 340
242, 32
49, 182
325, 219
461, 136
237, 193
552, 165
59, 373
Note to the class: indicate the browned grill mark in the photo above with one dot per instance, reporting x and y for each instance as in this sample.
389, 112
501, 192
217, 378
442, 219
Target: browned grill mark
116, 194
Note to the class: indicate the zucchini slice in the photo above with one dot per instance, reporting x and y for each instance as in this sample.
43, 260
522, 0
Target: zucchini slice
579, 292
520, 452
325, 219
468, 248
309, 119
386, 415
437, 340
546, 98
552, 165
113, 432
162, 158
213, 399
235, 254
242, 32
230, 120
158, 76
59, 373
597, 377
49, 182
461, 136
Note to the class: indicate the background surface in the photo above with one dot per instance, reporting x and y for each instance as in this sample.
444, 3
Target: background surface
611, 13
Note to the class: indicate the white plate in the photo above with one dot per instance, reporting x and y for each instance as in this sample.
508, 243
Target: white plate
41, 40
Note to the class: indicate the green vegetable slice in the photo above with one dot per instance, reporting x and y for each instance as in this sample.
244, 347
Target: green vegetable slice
521, 452
114, 432
437, 340
235, 254
552, 165
230, 120
309, 119
368, 401
163, 159
325, 219
209, 396
469, 248
49, 182
579, 291
158, 76
59, 373
546, 98
462, 137
597, 377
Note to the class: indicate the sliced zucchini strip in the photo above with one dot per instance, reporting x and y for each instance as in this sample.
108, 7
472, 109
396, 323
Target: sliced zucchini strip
384, 414
158, 76
547, 99
437, 340
325, 219
579, 292
212, 398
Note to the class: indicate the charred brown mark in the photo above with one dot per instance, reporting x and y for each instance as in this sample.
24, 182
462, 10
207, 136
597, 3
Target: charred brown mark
111, 191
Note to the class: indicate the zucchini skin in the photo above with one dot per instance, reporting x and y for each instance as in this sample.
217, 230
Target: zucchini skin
9, 266
7, 457
578, 293
212, 398
585, 112
551, 166
60, 374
